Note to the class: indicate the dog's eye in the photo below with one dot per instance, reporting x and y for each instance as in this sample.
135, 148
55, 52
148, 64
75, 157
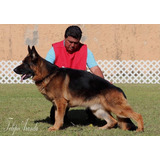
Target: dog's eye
26, 65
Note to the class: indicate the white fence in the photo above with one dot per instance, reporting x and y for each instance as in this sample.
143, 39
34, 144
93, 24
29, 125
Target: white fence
114, 71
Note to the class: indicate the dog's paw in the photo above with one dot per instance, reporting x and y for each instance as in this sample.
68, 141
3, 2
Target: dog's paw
140, 130
105, 127
109, 126
52, 129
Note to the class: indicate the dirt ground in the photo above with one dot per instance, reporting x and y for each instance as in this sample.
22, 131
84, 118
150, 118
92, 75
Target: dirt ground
106, 41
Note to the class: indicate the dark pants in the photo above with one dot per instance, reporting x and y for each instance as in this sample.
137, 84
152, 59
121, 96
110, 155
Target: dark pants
52, 114
91, 117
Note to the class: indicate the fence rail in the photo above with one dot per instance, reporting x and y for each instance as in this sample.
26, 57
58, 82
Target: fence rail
114, 71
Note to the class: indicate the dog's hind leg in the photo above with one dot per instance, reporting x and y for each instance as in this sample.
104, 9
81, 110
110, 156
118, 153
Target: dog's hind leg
115, 102
61, 105
111, 122
125, 111
126, 124
100, 113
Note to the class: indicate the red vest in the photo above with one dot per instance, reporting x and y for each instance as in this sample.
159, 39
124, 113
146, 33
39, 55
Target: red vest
77, 60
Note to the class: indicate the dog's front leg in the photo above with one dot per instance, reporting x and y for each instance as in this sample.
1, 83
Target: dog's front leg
61, 105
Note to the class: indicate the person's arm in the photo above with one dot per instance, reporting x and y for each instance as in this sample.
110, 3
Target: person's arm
97, 71
51, 56
92, 64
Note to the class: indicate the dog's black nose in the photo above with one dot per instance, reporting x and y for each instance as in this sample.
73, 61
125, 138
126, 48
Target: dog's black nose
15, 70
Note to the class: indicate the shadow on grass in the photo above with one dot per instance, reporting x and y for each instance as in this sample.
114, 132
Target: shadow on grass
75, 117
83, 118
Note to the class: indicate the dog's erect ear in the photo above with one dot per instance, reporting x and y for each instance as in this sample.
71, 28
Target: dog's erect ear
29, 50
33, 53
34, 50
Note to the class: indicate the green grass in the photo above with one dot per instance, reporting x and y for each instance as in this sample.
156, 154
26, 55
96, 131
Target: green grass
25, 112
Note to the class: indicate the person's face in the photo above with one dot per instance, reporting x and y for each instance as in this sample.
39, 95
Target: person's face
71, 44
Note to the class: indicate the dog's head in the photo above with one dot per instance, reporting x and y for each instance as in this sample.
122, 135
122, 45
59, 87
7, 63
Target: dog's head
27, 68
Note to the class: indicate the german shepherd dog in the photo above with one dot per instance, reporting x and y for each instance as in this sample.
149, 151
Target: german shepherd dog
66, 87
